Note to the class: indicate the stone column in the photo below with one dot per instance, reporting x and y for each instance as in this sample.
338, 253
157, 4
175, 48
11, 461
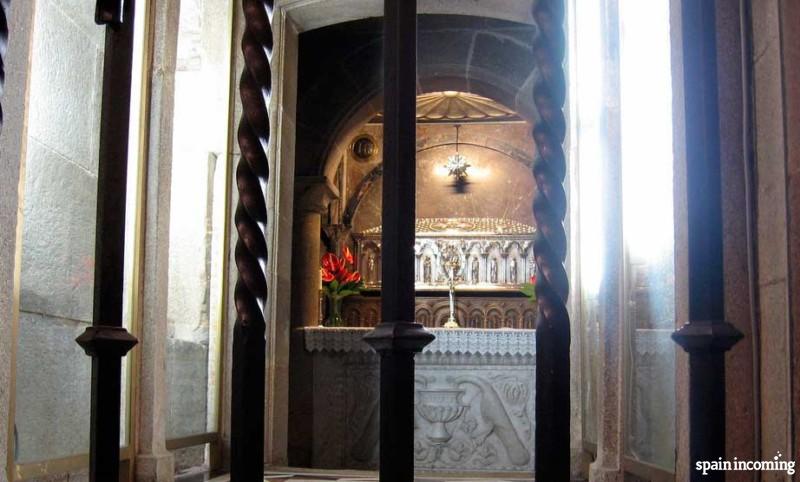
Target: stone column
607, 466
16, 65
153, 462
791, 71
313, 196
772, 138
316, 195
742, 437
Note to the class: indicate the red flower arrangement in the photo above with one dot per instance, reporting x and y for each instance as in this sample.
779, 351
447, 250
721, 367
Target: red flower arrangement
339, 281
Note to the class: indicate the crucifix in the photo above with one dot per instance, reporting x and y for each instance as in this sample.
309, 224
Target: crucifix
451, 261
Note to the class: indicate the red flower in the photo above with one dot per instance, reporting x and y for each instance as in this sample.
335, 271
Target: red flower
354, 277
331, 263
348, 256
533, 279
342, 274
339, 281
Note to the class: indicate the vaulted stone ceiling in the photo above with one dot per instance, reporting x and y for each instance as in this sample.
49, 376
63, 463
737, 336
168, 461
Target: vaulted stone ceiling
452, 106
340, 73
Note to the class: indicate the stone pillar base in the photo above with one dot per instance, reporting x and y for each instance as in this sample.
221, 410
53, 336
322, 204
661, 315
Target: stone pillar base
155, 468
604, 474
579, 463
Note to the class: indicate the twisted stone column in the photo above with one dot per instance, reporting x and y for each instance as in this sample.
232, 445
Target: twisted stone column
250, 294
550, 248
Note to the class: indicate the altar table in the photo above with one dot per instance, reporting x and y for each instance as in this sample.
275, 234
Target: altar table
474, 403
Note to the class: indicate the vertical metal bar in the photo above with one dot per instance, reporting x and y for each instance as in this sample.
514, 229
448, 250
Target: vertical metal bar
550, 248
106, 341
109, 12
399, 168
250, 293
4, 7
397, 338
706, 336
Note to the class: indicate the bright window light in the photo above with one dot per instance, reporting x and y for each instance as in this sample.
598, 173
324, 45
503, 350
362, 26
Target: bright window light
646, 81
588, 79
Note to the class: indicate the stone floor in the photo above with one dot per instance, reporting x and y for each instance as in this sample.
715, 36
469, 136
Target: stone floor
309, 475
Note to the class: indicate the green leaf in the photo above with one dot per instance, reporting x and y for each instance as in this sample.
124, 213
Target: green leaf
529, 290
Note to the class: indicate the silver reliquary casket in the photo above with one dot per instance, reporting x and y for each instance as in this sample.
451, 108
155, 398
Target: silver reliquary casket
483, 254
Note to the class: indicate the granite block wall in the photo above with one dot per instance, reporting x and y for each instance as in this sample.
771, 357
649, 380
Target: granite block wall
58, 219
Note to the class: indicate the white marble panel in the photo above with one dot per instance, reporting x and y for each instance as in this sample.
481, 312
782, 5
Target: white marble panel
475, 393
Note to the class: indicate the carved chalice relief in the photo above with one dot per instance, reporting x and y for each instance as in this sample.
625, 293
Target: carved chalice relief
439, 407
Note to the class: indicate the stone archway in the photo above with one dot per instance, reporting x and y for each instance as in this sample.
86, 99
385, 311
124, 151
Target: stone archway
373, 105
289, 23
495, 59
352, 202
256, 270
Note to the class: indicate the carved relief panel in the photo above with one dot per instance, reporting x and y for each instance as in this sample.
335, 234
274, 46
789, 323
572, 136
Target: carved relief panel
474, 401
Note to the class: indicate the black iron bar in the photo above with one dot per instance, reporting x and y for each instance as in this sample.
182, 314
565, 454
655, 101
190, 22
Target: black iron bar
107, 341
4, 10
397, 338
706, 337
